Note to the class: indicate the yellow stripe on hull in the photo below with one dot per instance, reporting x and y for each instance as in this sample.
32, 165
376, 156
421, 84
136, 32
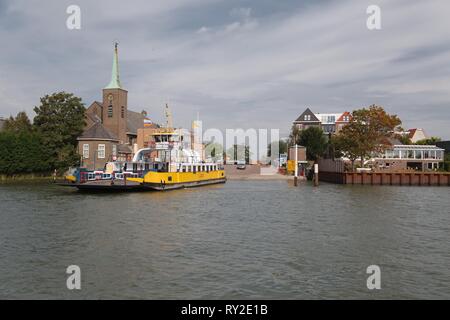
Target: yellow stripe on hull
174, 180
182, 177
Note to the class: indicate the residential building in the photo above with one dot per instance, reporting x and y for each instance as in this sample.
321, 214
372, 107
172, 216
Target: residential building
111, 129
328, 122
307, 119
416, 157
416, 134
343, 120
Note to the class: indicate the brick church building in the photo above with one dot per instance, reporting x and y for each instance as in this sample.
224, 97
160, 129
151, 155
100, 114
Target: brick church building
111, 129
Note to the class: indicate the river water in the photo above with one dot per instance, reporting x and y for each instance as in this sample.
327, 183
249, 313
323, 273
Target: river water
242, 239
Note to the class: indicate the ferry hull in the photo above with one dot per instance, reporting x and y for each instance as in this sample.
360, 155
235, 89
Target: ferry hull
182, 185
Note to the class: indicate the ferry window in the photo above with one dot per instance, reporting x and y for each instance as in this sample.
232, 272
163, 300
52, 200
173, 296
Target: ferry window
86, 151
170, 178
101, 151
195, 169
183, 169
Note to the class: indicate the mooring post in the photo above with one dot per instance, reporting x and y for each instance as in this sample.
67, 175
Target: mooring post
316, 174
296, 167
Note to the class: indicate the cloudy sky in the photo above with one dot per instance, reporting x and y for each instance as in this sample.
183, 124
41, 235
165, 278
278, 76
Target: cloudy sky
239, 64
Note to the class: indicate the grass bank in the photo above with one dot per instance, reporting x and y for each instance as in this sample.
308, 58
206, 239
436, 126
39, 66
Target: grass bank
45, 177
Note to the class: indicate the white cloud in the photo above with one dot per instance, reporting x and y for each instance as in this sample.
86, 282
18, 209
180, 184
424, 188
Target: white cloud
240, 68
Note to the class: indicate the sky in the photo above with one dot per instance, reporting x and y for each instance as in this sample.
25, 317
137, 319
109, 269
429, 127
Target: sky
235, 64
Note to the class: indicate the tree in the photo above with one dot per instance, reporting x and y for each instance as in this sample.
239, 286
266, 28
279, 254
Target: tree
23, 152
294, 136
60, 120
428, 141
214, 150
239, 152
315, 142
21, 123
404, 139
282, 147
369, 131
344, 146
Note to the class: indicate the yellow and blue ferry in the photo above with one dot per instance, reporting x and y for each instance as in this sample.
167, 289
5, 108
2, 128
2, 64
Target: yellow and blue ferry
164, 165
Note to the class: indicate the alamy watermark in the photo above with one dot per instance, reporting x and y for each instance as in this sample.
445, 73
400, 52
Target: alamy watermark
374, 280
74, 279
374, 19
73, 21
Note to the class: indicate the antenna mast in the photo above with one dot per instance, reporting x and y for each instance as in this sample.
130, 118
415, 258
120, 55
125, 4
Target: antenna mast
169, 121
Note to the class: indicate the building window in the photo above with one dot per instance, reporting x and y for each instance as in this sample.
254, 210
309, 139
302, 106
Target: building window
307, 117
114, 150
86, 151
101, 151
122, 112
110, 111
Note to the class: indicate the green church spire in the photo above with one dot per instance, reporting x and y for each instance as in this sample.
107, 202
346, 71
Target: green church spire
115, 81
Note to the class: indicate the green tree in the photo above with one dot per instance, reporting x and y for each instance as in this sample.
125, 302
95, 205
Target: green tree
315, 142
294, 136
404, 139
282, 147
447, 161
239, 152
429, 141
21, 123
370, 131
344, 146
23, 152
213, 150
60, 120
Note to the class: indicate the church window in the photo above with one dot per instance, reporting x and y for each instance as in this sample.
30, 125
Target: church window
110, 111
101, 151
86, 151
122, 112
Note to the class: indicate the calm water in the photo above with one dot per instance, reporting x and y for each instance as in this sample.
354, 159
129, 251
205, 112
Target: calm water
243, 239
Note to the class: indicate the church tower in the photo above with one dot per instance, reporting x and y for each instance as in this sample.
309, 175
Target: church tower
115, 103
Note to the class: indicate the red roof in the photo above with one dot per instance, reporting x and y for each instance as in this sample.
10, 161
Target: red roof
412, 132
341, 118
